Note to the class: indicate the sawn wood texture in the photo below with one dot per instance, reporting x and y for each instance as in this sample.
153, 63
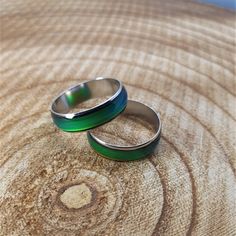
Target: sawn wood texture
176, 56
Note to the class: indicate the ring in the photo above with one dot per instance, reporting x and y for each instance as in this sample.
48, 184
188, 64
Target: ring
135, 152
95, 116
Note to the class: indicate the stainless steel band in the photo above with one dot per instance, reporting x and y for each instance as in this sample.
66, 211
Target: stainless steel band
130, 152
95, 116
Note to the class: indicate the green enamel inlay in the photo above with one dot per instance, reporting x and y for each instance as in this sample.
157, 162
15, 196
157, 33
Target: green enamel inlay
123, 155
93, 119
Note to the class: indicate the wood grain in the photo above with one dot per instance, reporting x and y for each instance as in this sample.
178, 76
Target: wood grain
176, 56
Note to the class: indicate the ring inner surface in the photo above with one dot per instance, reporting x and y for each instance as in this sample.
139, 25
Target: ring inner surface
86, 96
137, 125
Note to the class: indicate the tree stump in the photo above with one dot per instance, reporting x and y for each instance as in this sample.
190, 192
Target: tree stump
175, 56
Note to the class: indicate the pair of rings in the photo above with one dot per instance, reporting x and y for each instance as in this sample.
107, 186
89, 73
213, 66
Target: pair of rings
104, 112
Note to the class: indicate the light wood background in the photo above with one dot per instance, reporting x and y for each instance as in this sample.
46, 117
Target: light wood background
176, 56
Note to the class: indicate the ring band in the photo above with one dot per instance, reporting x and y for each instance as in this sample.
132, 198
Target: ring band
128, 153
90, 118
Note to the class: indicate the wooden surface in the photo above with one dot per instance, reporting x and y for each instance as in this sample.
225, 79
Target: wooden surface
176, 56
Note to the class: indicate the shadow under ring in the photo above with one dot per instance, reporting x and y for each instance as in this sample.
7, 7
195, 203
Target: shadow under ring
95, 116
135, 152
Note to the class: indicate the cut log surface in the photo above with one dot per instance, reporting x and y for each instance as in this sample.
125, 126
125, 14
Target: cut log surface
177, 57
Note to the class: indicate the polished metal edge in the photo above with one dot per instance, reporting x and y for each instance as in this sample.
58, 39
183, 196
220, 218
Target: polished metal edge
93, 109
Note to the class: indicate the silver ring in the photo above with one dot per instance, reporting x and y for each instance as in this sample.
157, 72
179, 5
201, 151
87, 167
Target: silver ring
135, 152
95, 116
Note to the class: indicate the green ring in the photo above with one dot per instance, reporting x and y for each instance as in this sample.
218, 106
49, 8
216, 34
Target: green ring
130, 153
90, 118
